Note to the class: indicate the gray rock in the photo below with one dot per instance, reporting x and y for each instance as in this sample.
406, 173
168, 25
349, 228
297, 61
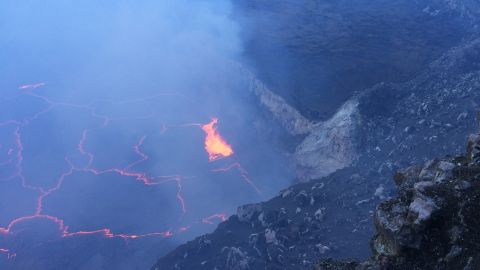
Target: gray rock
246, 212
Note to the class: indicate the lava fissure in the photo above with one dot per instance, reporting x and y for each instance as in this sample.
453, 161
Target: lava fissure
208, 220
243, 174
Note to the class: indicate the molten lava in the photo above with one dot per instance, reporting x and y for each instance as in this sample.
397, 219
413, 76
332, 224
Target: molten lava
215, 145
210, 220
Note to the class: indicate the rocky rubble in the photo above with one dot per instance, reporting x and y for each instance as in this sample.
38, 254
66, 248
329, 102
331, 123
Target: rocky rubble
290, 231
429, 114
433, 223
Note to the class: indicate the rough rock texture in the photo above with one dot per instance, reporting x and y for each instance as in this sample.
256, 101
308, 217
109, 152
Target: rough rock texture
318, 53
433, 223
290, 231
330, 146
327, 146
410, 89
290, 118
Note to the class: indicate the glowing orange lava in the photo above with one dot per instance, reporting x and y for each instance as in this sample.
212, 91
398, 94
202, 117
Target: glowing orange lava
215, 145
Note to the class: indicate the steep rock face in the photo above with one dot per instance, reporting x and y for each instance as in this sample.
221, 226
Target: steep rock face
377, 128
330, 146
409, 123
317, 53
434, 223
325, 146
289, 117
431, 106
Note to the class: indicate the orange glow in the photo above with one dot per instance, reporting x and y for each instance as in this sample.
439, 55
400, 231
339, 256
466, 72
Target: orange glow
214, 143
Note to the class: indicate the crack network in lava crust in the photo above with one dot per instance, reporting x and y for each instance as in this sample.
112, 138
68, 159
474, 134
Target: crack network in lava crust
214, 144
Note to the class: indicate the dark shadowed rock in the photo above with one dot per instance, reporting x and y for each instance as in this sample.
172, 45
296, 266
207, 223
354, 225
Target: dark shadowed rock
432, 224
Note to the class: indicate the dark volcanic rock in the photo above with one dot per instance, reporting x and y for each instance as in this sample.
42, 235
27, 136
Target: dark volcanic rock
434, 223
290, 231
318, 53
